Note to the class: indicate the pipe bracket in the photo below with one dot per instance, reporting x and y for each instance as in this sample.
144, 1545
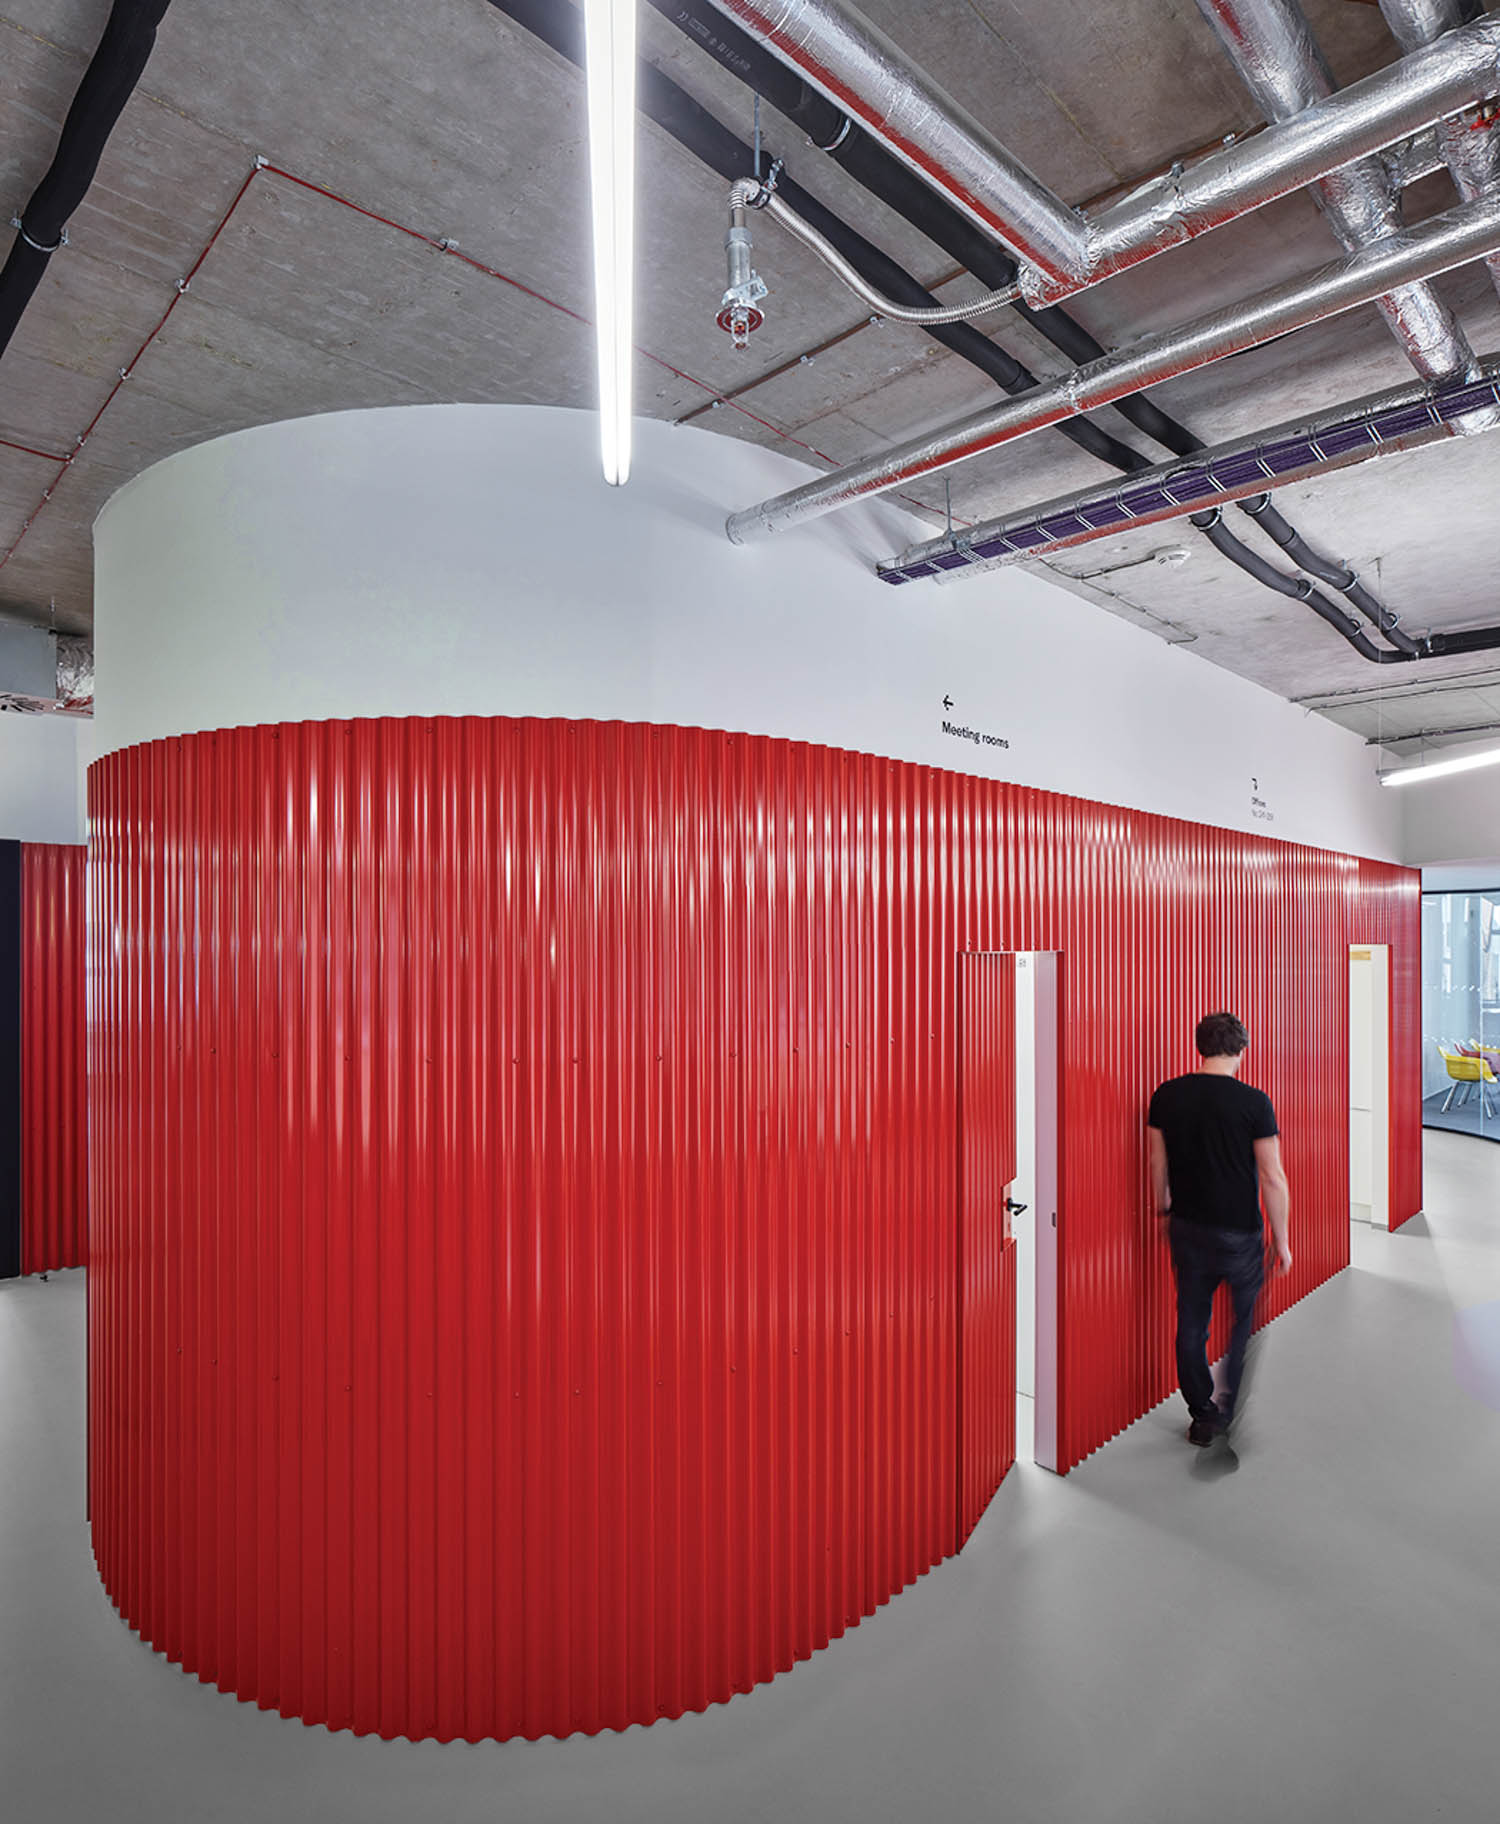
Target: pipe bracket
37, 246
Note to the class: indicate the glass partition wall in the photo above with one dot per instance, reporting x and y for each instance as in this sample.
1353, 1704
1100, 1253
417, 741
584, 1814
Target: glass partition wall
1461, 1012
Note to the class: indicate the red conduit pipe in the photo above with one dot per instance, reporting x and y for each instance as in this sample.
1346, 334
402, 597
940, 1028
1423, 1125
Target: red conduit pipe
26, 450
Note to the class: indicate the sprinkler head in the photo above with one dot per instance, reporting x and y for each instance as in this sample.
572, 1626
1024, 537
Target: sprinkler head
739, 322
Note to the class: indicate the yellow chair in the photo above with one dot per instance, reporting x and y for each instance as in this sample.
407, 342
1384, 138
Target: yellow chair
1466, 1072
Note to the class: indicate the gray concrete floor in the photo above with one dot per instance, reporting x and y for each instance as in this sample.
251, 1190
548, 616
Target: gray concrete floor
1309, 1632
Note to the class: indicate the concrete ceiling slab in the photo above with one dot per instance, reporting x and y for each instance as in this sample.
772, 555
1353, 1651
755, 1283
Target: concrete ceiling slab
87, 322
838, 376
142, 426
46, 406
363, 294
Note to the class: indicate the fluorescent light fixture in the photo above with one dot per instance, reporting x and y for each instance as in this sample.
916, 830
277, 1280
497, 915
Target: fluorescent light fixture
609, 28
1437, 769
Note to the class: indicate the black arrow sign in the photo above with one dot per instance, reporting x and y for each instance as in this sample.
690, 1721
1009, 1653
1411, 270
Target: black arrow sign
947, 702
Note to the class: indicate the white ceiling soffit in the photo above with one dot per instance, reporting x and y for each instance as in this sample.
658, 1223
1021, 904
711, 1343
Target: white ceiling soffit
1463, 877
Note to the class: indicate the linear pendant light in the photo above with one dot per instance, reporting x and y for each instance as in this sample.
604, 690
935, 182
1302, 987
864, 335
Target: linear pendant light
609, 27
1437, 769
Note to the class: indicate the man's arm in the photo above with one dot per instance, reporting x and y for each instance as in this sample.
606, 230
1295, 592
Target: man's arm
1161, 1191
1276, 1197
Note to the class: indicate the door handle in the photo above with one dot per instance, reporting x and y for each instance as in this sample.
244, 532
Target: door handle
1014, 1208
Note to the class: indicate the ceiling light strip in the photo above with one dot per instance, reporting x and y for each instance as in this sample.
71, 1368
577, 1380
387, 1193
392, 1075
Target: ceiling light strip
609, 27
1441, 769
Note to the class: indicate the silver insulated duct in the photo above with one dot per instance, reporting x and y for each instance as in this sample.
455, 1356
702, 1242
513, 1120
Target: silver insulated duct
1469, 143
1278, 58
1470, 232
844, 57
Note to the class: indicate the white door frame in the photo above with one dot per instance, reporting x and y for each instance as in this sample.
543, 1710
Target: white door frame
1048, 1087
1375, 1131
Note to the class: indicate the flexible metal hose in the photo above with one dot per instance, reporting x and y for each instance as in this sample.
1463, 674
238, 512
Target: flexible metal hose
772, 205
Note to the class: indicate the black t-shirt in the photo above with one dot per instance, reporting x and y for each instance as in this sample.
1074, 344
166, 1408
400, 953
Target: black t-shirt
1210, 1124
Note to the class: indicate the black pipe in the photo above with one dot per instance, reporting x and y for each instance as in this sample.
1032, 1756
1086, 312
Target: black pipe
1431, 646
1279, 529
1462, 639
692, 126
107, 85
1211, 525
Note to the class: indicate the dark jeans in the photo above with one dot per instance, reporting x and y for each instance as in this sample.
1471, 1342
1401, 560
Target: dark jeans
1201, 1257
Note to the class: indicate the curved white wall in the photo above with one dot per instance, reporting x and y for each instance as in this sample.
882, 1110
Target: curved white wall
468, 560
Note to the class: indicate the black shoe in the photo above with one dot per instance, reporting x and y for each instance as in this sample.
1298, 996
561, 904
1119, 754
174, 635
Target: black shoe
1204, 1431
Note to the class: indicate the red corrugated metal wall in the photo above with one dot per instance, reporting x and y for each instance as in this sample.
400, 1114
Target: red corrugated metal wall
524, 1229
986, 1256
54, 1126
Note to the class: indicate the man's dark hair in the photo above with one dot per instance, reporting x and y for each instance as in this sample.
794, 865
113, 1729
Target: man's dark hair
1221, 1035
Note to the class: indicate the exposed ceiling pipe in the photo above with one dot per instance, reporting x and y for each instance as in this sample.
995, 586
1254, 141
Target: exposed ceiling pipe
855, 66
1469, 143
1413, 159
1272, 46
1450, 645
1212, 526
1470, 232
1433, 734
108, 82
1414, 23
1399, 694
1380, 424
835, 134
561, 26
750, 193
857, 153
1399, 420
1341, 576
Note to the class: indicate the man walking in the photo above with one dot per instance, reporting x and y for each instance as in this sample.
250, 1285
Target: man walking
1214, 1155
